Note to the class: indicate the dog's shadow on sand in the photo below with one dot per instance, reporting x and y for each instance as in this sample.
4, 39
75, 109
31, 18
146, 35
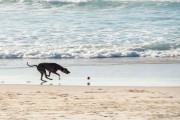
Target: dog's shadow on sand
43, 83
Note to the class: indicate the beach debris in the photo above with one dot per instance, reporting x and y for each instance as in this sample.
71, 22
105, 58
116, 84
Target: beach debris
88, 84
28, 81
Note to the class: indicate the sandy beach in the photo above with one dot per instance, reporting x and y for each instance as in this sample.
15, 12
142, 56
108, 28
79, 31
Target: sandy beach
32, 102
127, 51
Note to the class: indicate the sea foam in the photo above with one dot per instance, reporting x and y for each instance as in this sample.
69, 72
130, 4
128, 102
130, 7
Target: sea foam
95, 51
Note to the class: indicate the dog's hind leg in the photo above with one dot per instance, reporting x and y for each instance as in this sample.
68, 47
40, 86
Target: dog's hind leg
42, 73
42, 77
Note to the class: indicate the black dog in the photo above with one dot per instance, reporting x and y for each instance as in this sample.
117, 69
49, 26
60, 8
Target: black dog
51, 67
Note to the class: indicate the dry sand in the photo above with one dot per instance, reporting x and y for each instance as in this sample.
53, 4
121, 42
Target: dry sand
34, 102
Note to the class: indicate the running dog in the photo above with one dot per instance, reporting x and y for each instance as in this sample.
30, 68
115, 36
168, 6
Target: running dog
51, 67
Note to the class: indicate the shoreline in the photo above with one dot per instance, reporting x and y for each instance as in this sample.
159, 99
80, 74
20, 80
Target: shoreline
103, 72
29, 102
116, 60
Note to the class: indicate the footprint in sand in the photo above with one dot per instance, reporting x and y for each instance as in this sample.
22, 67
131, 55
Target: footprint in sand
137, 91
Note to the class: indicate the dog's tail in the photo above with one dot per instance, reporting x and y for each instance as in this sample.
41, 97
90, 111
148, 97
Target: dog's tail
31, 65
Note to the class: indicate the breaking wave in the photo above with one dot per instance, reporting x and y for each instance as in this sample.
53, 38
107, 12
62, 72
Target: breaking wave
89, 51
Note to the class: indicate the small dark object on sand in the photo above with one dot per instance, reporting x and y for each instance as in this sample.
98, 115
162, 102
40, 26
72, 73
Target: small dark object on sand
88, 83
88, 78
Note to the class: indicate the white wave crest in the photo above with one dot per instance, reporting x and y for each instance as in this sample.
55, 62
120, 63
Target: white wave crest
89, 51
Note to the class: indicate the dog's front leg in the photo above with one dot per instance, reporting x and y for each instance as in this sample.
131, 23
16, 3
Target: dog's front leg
49, 74
48, 78
46, 75
57, 74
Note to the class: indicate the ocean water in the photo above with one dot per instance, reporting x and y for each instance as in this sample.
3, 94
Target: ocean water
89, 28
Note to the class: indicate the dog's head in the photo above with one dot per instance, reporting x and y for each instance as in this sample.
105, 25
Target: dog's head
65, 70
